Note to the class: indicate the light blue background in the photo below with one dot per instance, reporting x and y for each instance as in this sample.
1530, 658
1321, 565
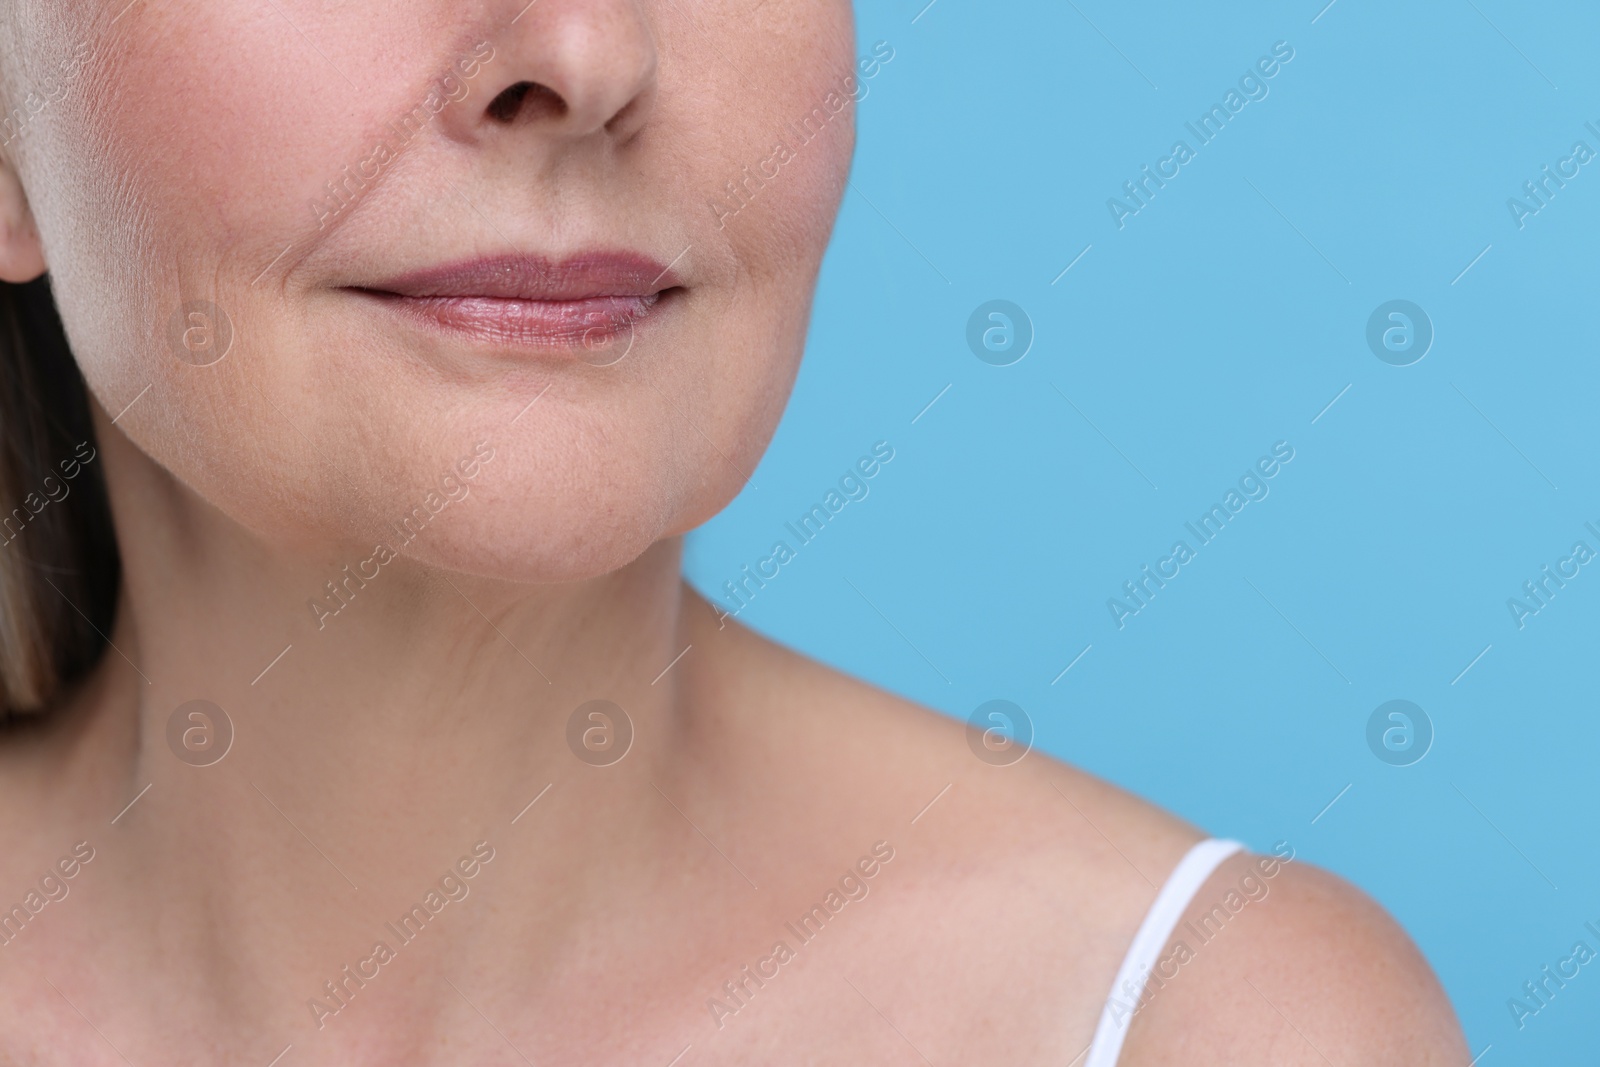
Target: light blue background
1220, 320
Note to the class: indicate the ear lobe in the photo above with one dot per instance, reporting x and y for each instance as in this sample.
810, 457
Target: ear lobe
21, 252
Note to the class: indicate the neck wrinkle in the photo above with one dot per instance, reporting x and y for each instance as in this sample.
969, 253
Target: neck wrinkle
375, 751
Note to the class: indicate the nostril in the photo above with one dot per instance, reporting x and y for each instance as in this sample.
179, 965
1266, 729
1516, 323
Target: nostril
539, 100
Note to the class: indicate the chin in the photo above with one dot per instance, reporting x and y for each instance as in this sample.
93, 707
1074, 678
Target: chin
565, 500
545, 538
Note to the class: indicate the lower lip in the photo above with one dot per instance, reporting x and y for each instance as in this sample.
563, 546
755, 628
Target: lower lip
584, 325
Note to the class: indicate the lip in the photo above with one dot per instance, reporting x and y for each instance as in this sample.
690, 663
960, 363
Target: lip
584, 301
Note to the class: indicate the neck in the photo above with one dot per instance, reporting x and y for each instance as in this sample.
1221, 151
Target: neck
370, 749
414, 662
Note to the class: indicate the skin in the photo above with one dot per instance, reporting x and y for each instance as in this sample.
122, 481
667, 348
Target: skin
389, 740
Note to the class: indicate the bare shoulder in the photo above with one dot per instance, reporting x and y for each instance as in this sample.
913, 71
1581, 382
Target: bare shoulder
1032, 877
1280, 962
937, 777
1017, 880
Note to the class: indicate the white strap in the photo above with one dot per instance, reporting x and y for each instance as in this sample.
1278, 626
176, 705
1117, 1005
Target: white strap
1185, 881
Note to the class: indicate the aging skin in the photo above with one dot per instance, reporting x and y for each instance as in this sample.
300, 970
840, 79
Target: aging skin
379, 750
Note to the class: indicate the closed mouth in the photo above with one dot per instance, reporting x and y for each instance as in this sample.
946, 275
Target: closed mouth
585, 301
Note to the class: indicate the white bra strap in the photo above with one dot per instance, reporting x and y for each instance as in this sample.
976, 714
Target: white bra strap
1185, 881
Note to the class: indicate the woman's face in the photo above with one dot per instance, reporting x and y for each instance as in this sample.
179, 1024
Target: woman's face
400, 224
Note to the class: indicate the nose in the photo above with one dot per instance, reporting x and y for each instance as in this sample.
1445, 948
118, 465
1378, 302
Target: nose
574, 69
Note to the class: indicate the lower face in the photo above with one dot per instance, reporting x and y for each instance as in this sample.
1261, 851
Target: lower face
601, 326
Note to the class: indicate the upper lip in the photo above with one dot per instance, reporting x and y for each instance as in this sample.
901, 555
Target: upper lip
519, 276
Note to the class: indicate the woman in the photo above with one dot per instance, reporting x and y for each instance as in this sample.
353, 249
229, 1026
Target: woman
372, 721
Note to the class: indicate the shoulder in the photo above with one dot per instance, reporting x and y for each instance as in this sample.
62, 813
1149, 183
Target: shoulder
1015, 886
1279, 962
936, 776
1032, 877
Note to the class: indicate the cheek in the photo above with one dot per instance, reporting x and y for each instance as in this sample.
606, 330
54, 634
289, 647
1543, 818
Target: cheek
180, 168
767, 178
150, 183
772, 170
